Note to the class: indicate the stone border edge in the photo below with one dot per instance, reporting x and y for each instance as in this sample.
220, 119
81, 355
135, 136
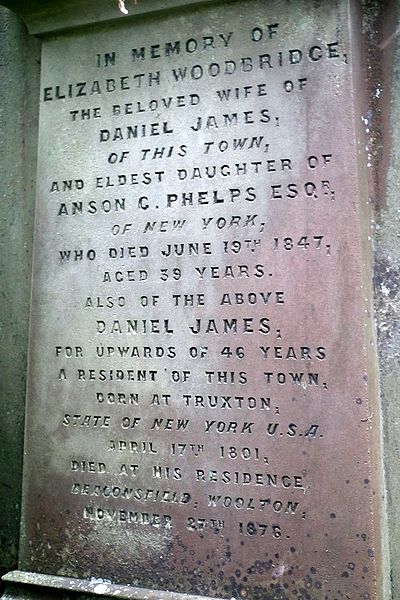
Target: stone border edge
47, 16
99, 587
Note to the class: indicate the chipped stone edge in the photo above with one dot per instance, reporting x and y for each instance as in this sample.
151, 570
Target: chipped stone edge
98, 587
47, 16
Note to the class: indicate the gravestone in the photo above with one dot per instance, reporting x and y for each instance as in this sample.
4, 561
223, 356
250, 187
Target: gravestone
201, 407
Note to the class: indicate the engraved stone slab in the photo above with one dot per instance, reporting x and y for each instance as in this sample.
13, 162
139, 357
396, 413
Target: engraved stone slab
199, 411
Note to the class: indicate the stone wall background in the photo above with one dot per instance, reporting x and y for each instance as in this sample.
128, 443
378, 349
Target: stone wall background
386, 236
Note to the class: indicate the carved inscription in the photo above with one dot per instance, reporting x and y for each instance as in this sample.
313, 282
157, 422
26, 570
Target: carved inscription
195, 373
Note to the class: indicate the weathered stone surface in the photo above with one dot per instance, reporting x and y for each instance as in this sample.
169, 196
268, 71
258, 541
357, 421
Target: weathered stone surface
199, 393
18, 125
44, 16
386, 274
66, 587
